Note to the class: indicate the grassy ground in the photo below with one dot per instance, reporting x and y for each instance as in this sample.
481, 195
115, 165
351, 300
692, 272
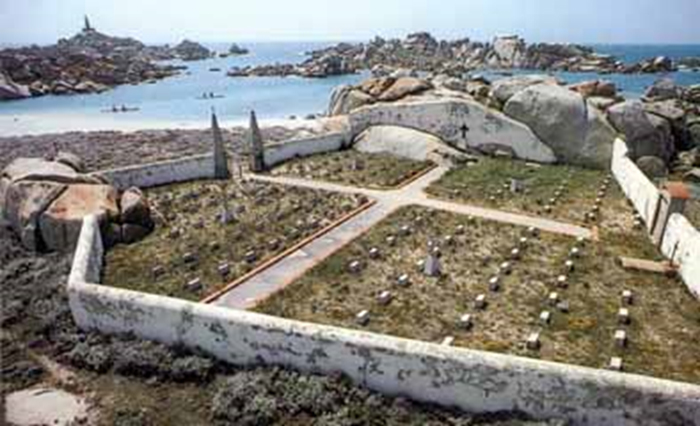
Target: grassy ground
268, 219
487, 183
665, 317
354, 168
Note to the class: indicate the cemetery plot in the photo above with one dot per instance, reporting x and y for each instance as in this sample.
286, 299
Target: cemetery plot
451, 279
353, 168
209, 233
560, 192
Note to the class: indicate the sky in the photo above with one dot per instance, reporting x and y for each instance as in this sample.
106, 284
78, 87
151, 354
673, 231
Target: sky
169, 21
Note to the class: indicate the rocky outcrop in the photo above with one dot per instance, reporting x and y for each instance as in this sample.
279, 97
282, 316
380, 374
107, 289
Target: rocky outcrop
663, 89
660, 64
89, 62
561, 119
645, 134
10, 90
345, 99
45, 202
458, 120
235, 49
502, 90
189, 50
322, 66
652, 167
404, 142
60, 223
595, 88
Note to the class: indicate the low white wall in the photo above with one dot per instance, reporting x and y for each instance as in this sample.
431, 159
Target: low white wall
161, 173
445, 118
638, 189
681, 243
471, 380
283, 151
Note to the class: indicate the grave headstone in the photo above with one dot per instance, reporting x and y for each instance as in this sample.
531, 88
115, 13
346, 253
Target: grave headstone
448, 341
374, 253
533, 341
494, 284
621, 338
355, 266
615, 364
465, 322
516, 186
563, 307
623, 316
627, 297
480, 302
194, 285
545, 317
553, 298
251, 256
362, 318
384, 298
158, 271
505, 268
403, 280
224, 269
432, 266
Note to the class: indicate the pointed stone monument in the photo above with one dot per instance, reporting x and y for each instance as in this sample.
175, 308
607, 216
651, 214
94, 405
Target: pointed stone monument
87, 27
220, 160
257, 153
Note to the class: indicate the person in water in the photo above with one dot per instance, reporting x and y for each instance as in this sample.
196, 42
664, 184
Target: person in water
114, 108
124, 109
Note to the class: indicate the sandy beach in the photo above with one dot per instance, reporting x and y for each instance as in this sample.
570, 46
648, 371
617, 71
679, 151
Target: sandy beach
57, 122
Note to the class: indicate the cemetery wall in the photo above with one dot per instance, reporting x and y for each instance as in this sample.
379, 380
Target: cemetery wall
462, 123
638, 189
453, 377
161, 173
330, 142
681, 243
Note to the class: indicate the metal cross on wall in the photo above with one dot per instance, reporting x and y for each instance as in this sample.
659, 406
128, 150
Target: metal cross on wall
464, 129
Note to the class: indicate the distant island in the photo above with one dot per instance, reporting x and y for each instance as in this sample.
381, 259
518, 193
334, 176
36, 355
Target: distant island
423, 52
89, 62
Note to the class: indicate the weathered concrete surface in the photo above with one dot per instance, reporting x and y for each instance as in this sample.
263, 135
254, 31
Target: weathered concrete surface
459, 121
160, 173
681, 243
283, 151
471, 380
402, 142
638, 189
45, 406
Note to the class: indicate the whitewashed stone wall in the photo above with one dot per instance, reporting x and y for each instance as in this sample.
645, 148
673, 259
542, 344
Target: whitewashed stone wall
471, 380
681, 240
283, 151
161, 173
681, 243
638, 189
445, 118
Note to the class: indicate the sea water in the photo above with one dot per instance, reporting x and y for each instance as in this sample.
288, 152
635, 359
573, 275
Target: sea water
178, 99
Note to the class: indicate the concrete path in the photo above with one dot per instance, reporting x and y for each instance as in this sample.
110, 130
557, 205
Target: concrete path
284, 272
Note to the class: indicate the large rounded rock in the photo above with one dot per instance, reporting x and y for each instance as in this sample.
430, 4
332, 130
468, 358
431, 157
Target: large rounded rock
23, 203
60, 224
646, 134
346, 99
135, 208
40, 169
71, 160
559, 117
663, 89
402, 142
403, 87
653, 167
595, 88
694, 130
11, 90
504, 89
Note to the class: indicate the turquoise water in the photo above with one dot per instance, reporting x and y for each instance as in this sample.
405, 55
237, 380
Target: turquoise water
175, 99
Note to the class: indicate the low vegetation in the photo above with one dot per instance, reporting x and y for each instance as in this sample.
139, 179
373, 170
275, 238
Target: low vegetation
350, 167
665, 316
193, 241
